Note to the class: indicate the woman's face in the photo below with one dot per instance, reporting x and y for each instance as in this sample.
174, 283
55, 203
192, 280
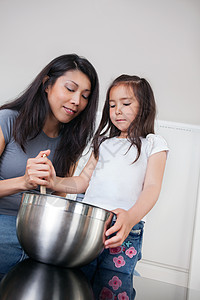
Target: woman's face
68, 97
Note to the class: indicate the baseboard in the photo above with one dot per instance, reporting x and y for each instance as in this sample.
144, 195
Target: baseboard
162, 272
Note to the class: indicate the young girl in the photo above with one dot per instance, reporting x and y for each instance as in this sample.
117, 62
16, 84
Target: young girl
57, 111
125, 171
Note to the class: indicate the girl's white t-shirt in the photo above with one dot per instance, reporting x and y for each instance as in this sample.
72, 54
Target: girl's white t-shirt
116, 181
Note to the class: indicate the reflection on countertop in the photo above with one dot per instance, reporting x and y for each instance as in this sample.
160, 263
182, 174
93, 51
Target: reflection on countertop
31, 280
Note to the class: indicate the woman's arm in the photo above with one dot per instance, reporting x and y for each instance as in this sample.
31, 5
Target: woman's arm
147, 199
36, 172
2, 142
75, 184
9, 186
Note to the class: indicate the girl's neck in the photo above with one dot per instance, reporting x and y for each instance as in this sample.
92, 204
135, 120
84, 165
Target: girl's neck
123, 135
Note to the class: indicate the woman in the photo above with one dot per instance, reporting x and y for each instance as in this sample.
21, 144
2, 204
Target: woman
56, 112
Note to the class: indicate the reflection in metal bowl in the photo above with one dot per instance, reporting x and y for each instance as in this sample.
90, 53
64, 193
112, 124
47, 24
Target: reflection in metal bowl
59, 231
31, 280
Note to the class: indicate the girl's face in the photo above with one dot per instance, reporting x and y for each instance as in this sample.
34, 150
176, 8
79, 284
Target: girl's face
123, 107
68, 97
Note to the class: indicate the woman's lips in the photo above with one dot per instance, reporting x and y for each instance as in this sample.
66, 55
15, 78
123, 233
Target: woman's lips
69, 110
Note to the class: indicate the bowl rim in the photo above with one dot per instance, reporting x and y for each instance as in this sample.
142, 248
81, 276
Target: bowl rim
81, 204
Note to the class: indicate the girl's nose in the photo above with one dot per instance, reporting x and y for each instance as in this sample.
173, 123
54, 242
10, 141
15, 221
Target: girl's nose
75, 99
118, 110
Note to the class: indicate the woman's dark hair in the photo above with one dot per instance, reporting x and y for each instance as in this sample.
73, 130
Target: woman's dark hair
33, 108
143, 123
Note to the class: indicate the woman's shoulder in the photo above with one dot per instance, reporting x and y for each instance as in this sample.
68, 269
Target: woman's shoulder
7, 118
7, 114
155, 143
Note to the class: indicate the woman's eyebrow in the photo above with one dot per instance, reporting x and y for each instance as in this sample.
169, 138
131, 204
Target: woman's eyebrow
72, 81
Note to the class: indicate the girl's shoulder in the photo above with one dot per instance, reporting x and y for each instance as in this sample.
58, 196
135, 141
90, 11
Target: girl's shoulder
113, 140
154, 143
103, 139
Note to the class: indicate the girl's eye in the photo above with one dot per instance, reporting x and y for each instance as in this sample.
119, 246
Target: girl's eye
127, 104
111, 104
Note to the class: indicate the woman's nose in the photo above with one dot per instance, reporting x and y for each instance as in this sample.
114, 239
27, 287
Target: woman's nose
75, 99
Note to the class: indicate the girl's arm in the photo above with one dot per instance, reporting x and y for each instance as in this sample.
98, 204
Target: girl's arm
75, 184
70, 174
36, 172
147, 199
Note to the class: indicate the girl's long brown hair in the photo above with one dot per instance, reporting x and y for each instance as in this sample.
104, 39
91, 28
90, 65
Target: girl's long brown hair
142, 125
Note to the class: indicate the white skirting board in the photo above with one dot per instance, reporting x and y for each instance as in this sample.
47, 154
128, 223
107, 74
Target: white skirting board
162, 272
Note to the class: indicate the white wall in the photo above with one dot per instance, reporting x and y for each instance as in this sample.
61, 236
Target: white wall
156, 39
153, 38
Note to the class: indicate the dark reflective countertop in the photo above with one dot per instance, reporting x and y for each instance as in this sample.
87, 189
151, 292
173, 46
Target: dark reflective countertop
31, 280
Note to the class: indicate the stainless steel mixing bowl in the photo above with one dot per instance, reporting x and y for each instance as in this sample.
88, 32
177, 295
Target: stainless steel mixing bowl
59, 231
